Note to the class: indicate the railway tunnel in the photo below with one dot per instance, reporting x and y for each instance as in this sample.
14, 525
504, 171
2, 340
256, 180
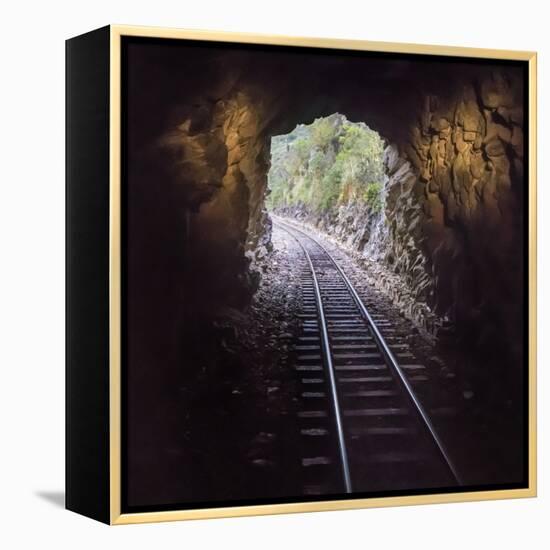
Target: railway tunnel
199, 130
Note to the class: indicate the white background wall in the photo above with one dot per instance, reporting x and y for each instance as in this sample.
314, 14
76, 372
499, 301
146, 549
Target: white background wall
32, 273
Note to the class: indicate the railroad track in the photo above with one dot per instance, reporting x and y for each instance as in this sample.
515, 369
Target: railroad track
363, 429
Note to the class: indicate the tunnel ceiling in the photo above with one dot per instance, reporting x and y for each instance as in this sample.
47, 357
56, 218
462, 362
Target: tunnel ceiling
291, 88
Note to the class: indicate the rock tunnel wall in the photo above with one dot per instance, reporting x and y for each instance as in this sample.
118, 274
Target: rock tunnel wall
456, 195
199, 135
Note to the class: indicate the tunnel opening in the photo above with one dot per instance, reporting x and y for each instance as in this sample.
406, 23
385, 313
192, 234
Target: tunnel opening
344, 179
325, 168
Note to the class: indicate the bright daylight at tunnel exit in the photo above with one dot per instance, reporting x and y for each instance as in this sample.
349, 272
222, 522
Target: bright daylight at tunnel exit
334, 304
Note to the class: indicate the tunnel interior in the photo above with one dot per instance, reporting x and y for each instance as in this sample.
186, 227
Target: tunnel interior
453, 169
201, 122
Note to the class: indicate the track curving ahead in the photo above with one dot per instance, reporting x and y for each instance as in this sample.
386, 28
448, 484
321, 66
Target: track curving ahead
358, 409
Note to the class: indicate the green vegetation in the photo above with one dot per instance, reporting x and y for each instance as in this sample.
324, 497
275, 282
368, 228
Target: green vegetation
325, 164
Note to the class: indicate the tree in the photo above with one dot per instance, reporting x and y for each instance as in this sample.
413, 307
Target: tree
323, 133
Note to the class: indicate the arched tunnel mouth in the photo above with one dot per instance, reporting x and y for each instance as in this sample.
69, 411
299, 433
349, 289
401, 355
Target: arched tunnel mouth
242, 190
322, 166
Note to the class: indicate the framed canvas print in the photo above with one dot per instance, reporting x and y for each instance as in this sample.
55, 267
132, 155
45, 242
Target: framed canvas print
300, 274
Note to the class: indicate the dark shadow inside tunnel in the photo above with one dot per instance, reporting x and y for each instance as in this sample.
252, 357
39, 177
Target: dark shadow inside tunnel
439, 215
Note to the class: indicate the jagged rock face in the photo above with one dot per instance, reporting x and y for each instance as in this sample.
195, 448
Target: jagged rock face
454, 170
401, 246
459, 199
221, 156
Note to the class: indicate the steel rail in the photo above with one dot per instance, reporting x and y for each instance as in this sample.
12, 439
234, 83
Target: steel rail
327, 355
390, 358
